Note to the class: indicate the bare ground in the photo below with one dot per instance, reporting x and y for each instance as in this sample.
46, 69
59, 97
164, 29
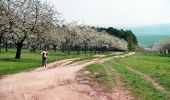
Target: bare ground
57, 82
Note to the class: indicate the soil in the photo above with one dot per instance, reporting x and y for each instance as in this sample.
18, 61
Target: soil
56, 82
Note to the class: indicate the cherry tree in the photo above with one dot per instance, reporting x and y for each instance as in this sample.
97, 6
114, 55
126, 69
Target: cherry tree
29, 22
163, 47
22, 21
46, 30
3, 20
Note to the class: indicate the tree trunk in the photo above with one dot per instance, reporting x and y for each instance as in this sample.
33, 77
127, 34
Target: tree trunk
99, 50
6, 46
90, 49
34, 50
85, 48
19, 47
0, 42
54, 47
102, 50
78, 50
68, 49
95, 50
62, 48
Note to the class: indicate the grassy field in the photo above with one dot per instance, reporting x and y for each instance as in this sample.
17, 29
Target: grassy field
109, 75
151, 64
28, 61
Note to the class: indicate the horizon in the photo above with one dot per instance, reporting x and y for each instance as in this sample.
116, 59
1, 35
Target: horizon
146, 30
131, 13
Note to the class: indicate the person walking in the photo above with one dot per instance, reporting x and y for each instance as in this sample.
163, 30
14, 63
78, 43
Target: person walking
44, 54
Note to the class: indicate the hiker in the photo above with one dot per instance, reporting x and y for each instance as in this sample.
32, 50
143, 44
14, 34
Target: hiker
44, 54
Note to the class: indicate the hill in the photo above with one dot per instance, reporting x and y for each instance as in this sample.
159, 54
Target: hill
160, 29
150, 40
149, 35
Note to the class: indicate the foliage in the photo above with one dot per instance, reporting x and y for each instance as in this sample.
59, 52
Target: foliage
151, 64
155, 65
127, 35
33, 24
29, 61
163, 46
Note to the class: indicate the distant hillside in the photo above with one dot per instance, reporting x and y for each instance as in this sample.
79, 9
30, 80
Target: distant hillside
150, 40
149, 35
163, 29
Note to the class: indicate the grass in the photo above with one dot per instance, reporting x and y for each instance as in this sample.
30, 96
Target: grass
28, 61
140, 88
152, 64
155, 65
99, 75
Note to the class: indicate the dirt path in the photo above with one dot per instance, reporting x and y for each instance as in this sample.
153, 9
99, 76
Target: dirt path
55, 83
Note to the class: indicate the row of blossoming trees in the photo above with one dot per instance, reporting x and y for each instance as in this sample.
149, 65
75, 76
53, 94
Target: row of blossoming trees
163, 47
33, 24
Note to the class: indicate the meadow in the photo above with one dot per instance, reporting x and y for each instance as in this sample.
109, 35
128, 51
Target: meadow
151, 64
110, 74
29, 61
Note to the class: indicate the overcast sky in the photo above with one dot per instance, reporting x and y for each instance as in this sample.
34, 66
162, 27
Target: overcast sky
115, 12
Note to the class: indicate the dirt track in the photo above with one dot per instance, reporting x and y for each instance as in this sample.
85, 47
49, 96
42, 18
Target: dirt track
56, 83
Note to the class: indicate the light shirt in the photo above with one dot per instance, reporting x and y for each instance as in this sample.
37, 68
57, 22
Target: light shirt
44, 54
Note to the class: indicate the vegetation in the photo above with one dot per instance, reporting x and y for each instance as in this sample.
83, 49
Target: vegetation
25, 24
99, 75
151, 64
9, 65
163, 47
127, 35
28, 26
32, 24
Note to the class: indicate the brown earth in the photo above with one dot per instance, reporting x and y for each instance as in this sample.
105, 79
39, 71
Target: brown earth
57, 82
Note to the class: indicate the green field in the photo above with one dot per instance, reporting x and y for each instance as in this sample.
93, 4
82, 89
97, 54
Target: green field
109, 74
151, 64
28, 61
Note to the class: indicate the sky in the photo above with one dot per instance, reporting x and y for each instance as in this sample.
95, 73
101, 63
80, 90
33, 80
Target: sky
123, 13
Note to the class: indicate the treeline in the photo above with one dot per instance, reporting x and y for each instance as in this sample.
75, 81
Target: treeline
35, 25
162, 47
127, 35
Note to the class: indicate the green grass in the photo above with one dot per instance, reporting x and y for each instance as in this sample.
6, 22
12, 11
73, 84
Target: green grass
28, 61
101, 77
152, 64
139, 87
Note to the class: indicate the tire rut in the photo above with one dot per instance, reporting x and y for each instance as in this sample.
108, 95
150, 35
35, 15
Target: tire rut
149, 79
118, 85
